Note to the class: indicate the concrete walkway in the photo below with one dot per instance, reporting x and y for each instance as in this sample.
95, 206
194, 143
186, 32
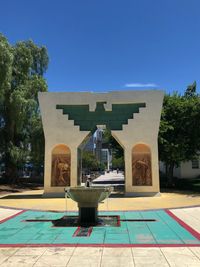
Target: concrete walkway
111, 177
34, 200
101, 256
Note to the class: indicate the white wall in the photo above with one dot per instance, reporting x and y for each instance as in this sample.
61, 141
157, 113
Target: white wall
186, 170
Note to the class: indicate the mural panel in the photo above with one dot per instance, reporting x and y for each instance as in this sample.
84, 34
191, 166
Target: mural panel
61, 165
141, 166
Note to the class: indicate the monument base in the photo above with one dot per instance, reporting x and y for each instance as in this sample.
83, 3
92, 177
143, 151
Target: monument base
142, 194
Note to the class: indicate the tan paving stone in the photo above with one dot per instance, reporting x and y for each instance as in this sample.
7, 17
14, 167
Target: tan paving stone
8, 251
150, 261
108, 261
180, 256
147, 252
147, 264
149, 257
117, 252
196, 251
52, 260
53, 251
3, 258
20, 261
30, 251
89, 261
88, 251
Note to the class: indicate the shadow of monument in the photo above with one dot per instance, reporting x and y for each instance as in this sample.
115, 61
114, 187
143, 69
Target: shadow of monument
28, 196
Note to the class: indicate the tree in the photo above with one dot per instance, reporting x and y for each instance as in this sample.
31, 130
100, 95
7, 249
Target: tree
111, 142
117, 150
118, 163
179, 135
89, 162
21, 78
191, 90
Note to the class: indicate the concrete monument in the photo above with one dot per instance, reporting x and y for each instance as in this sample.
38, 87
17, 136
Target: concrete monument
133, 118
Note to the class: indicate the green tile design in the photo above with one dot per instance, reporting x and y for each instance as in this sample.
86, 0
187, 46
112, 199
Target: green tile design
88, 120
165, 230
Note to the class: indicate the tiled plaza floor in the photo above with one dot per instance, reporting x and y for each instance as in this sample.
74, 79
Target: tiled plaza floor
74, 255
133, 229
136, 254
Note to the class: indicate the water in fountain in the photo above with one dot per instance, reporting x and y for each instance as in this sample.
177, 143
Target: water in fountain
66, 207
107, 203
65, 204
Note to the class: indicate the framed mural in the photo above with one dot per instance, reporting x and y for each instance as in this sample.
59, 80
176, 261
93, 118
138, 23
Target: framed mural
61, 167
141, 166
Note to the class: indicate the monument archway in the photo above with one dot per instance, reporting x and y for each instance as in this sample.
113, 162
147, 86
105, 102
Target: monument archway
100, 152
133, 118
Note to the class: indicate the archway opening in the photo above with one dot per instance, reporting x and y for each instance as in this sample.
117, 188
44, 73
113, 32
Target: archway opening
101, 158
141, 165
61, 166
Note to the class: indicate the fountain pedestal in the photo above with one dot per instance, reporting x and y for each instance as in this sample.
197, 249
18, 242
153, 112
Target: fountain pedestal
88, 199
88, 215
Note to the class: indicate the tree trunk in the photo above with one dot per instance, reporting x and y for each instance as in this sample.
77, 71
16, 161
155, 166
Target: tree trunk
170, 174
10, 171
10, 167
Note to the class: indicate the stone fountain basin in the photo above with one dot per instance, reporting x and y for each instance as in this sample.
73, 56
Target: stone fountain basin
88, 196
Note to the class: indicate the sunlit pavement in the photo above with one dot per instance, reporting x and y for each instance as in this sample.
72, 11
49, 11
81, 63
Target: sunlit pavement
34, 200
121, 228
113, 177
74, 255
97, 256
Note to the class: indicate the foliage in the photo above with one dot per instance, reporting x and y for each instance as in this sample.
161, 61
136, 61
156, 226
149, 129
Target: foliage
190, 184
117, 150
118, 163
191, 90
112, 144
21, 78
179, 135
89, 162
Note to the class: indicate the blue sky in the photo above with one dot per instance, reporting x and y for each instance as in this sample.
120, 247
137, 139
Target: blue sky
103, 45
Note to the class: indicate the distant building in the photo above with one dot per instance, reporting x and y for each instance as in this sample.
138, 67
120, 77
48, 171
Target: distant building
188, 169
98, 138
106, 158
89, 145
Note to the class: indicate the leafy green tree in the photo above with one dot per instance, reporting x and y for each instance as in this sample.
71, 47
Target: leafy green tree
118, 163
89, 161
191, 90
117, 150
111, 143
179, 135
21, 78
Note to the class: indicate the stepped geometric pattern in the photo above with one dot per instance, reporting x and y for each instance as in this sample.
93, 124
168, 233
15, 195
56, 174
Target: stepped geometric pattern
88, 120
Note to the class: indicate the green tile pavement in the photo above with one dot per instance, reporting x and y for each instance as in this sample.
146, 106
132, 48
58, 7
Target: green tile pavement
164, 230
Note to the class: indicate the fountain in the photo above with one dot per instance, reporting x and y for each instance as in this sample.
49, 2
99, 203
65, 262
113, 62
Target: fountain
88, 199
